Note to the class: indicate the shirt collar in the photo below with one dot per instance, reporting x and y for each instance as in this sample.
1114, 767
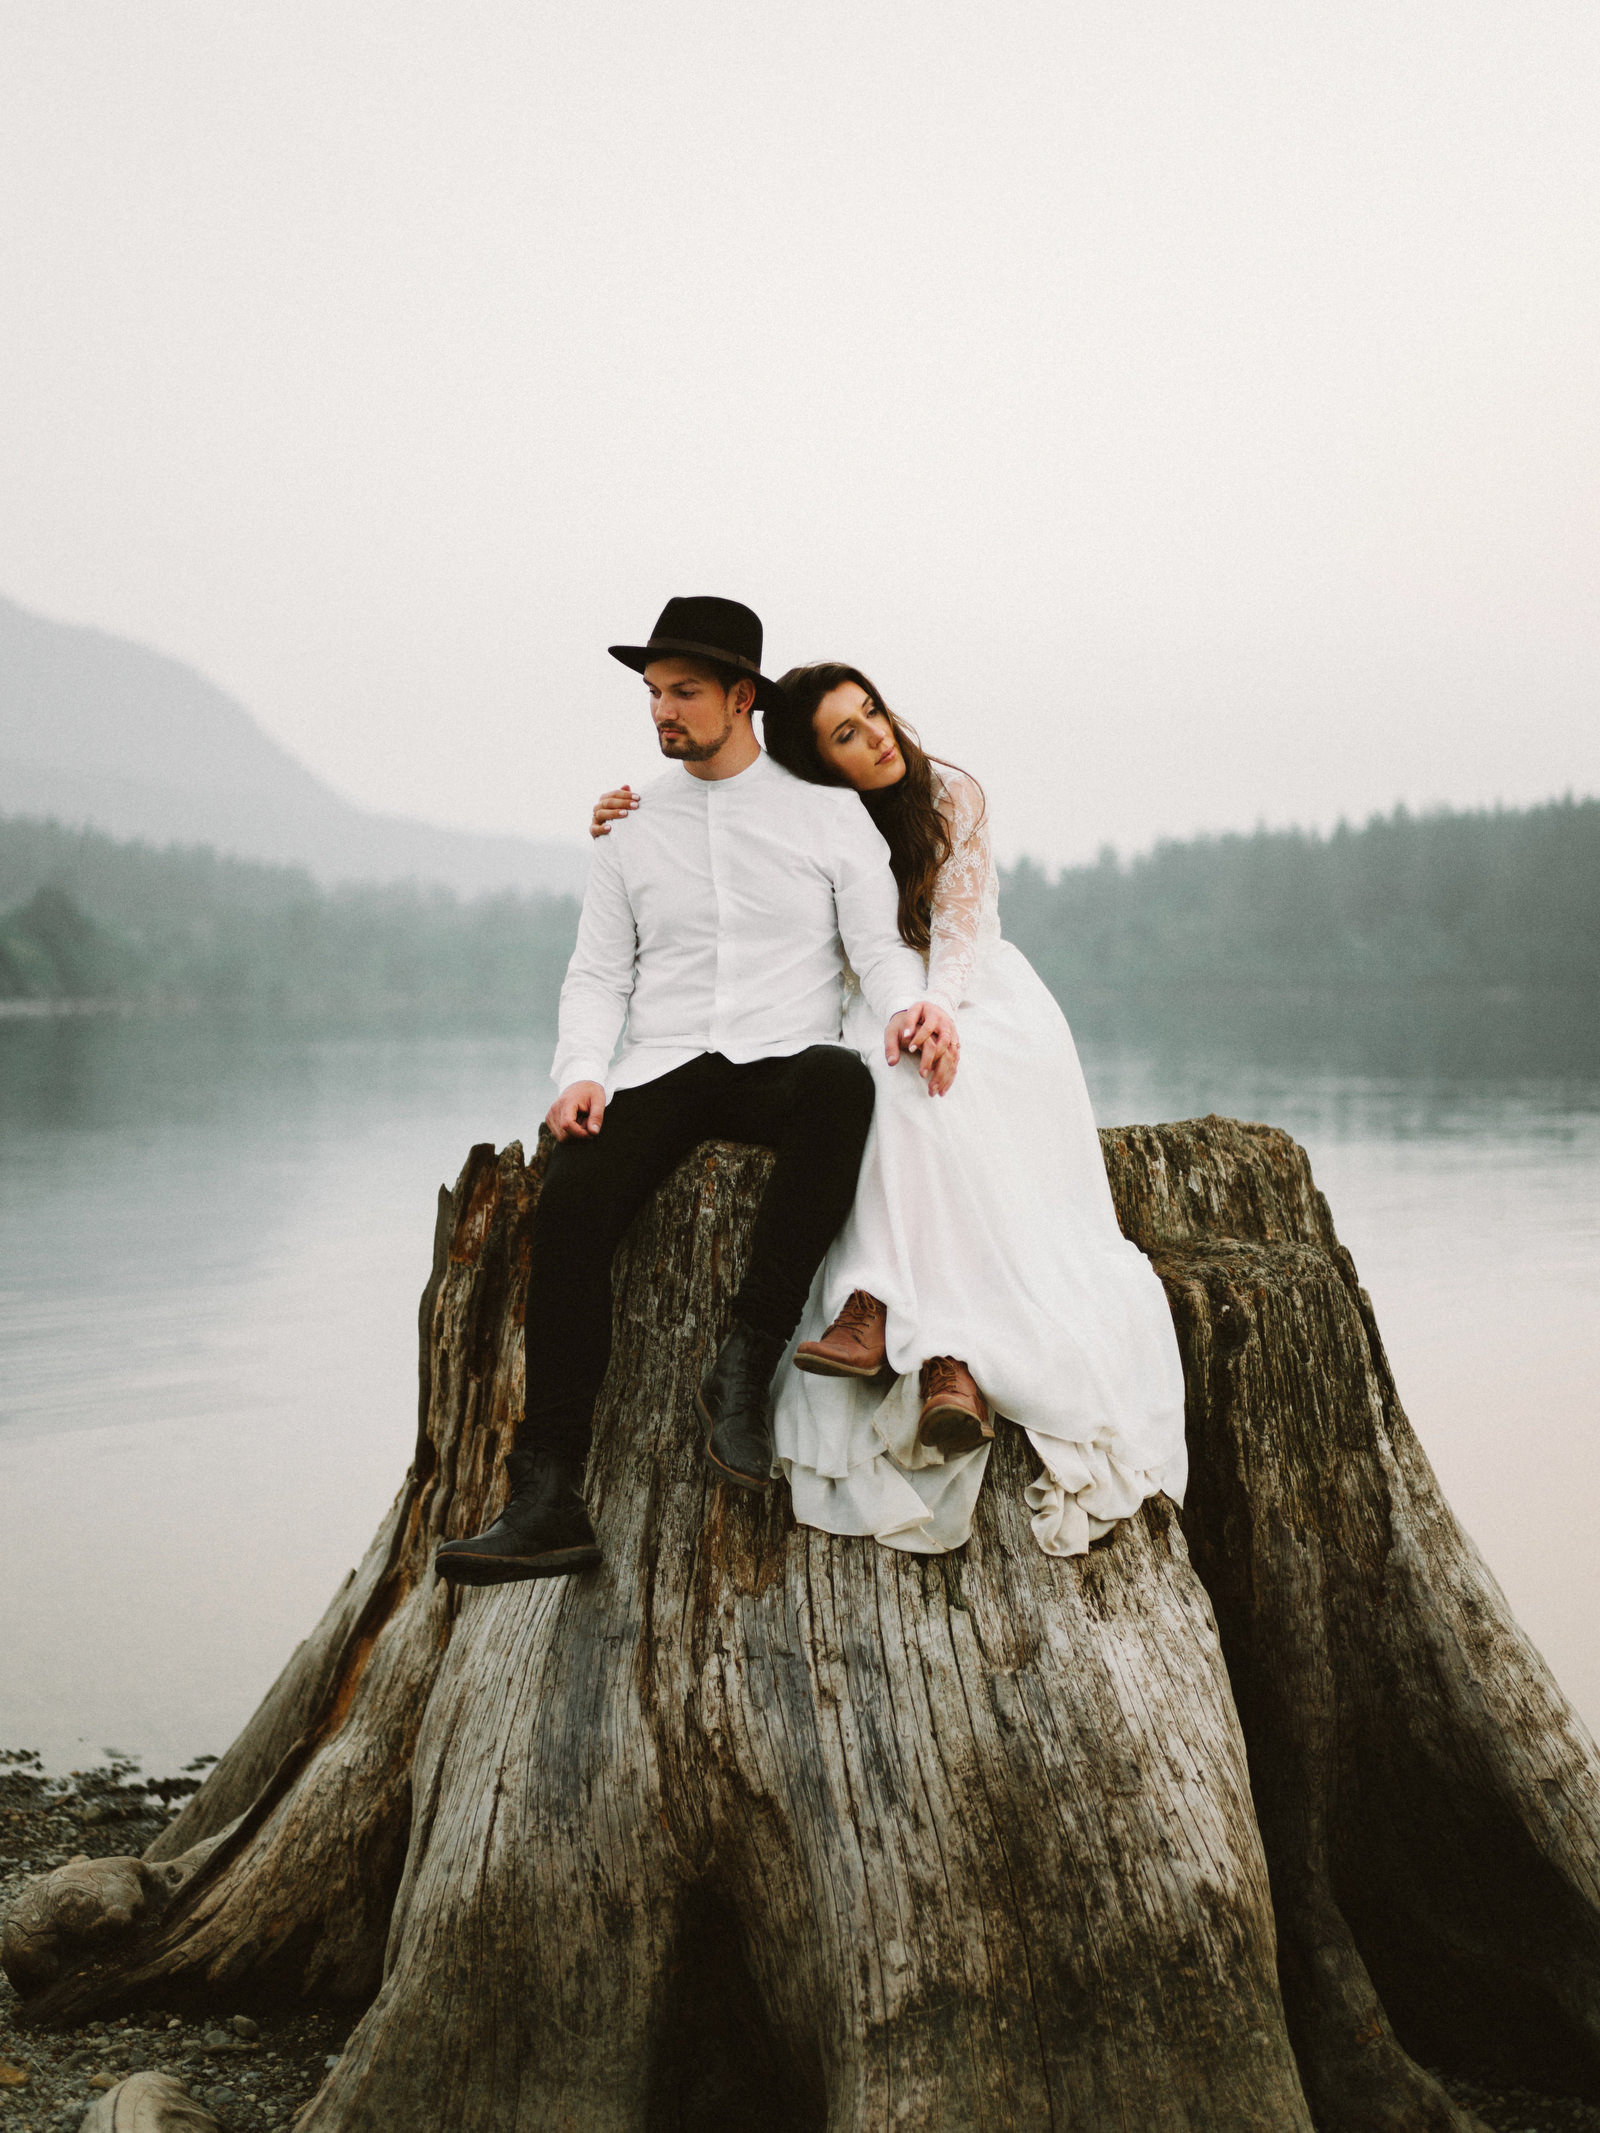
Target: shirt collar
752, 773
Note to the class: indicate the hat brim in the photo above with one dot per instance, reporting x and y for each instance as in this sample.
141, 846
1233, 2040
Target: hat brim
769, 696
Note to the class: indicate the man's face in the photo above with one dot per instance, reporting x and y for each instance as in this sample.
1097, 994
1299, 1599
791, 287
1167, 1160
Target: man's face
693, 713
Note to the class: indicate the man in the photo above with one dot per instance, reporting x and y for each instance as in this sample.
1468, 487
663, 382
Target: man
715, 925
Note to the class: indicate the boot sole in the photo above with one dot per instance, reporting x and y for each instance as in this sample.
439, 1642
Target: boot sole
822, 1366
728, 1473
514, 1569
953, 1430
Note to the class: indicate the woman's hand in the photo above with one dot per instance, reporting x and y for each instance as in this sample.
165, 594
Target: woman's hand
611, 807
941, 1070
929, 1030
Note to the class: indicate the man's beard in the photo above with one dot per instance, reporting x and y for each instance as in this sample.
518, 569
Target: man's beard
683, 750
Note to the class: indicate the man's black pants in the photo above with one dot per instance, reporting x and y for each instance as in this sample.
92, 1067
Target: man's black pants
812, 1108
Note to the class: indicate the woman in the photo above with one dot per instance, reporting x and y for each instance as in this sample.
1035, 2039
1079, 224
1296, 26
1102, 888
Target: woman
982, 1264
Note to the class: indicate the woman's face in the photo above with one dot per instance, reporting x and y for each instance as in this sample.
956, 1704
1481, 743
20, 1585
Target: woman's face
856, 740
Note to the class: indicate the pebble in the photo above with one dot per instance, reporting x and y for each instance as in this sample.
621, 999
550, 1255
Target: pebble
242, 2026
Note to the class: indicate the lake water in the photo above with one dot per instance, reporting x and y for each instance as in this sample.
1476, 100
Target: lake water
212, 1243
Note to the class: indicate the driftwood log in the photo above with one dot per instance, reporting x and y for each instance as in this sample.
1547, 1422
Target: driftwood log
1237, 1822
148, 2103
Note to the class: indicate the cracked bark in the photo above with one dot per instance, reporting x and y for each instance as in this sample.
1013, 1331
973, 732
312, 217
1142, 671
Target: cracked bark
761, 1825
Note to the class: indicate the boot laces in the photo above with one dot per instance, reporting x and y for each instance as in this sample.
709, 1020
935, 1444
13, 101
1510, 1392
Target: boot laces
860, 1309
943, 1373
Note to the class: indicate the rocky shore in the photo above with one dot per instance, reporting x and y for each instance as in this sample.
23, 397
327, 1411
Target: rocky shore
254, 2069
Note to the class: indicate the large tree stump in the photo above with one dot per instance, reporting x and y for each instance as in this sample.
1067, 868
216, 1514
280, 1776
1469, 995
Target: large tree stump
757, 1824
1428, 1800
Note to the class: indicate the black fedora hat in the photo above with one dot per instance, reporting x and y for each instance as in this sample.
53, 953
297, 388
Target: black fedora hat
704, 627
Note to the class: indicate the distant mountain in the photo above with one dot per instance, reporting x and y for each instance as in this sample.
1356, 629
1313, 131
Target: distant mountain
95, 729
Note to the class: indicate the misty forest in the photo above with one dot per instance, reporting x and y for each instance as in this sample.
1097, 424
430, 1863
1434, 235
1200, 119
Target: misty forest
1442, 905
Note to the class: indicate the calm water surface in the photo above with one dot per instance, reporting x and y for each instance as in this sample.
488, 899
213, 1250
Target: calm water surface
211, 1248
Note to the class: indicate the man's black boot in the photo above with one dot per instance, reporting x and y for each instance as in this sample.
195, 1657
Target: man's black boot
734, 1399
543, 1532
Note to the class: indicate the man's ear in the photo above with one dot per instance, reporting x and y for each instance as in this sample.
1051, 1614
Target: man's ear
742, 696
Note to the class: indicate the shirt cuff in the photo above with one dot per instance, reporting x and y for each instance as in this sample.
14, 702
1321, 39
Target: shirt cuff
568, 1068
913, 999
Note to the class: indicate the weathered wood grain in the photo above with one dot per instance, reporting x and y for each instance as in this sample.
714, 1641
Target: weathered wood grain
938, 1844
1429, 1802
759, 1825
148, 2103
85, 1903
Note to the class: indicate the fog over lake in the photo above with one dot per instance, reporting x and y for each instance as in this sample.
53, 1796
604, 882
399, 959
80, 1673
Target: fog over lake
214, 1241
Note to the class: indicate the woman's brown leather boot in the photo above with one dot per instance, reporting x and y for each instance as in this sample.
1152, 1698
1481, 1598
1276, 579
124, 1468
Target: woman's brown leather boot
955, 1416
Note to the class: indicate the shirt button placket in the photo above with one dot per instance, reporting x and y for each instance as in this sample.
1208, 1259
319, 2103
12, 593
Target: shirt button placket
716, 1035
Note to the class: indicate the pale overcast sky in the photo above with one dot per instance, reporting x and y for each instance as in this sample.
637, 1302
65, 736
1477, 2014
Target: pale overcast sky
1186, 412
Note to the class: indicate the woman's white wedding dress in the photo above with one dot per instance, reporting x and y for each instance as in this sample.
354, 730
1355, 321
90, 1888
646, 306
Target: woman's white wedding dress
984, 1222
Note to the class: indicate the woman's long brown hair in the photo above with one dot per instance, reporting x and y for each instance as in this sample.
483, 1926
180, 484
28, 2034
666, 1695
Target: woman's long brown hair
906, 813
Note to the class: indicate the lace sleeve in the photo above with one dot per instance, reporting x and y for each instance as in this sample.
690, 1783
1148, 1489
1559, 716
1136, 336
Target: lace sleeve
958, 892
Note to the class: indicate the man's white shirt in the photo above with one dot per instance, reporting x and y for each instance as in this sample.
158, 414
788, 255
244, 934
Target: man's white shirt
718, 917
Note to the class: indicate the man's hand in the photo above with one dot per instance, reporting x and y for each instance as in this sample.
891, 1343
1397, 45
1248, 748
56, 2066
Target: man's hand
930, 1032
577, 1112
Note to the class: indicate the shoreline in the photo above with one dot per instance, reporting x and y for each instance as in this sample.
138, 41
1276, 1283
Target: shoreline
252, 2066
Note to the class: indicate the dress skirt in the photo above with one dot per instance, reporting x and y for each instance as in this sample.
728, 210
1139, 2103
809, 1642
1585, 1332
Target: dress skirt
984, 1222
